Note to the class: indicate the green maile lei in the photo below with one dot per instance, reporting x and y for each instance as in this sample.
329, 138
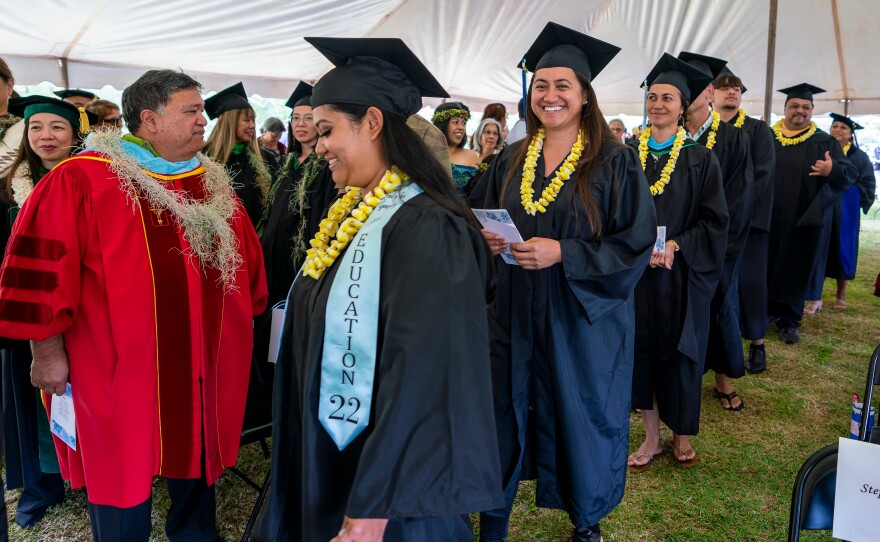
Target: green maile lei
299, 199
446, 114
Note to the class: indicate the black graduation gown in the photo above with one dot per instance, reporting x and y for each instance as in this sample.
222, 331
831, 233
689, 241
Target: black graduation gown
802, 214
672, 306
277, 241
753, 272
430, 450
845, 232
244, 180
562, 337
284, 222
725, 351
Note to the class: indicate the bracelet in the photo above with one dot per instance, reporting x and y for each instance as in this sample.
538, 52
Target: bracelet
677, 248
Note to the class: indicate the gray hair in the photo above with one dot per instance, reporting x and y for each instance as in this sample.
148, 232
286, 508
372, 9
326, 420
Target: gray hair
272, 124
151, 92
478, 134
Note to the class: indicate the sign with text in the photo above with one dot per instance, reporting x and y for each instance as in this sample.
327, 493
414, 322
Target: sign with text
857, 493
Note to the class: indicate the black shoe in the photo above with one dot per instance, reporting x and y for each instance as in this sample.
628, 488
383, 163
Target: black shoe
789, 335
757, 359
587, 534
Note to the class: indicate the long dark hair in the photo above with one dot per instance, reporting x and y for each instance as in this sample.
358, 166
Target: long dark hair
443, 126
26, 155
597, 135
406, 150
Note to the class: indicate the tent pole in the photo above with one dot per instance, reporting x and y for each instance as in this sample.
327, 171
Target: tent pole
771, 61
840, 58
65, 81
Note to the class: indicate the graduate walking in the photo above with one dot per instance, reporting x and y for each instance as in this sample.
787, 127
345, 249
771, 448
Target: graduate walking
812, 174
673, 297
752, 286
562, 319
383, 424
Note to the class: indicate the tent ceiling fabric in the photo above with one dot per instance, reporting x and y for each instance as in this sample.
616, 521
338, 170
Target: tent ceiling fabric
471, 46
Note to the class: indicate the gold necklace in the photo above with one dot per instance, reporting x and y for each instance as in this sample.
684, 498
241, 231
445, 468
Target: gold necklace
788, 141
528, 178
666, 174
323, 251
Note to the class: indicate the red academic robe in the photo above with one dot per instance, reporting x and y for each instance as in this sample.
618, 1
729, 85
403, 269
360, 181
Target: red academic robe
159, 350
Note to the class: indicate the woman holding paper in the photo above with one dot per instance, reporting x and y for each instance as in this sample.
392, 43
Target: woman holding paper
562, 319
383, 416
673, 297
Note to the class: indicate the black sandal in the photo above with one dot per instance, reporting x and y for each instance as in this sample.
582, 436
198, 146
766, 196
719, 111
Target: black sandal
729, 397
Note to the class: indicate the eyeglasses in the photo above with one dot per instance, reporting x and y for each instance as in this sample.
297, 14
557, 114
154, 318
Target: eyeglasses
112, 120
295, 119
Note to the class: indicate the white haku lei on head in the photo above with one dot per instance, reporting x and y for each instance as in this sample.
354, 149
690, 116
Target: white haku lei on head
22, 184
206, 224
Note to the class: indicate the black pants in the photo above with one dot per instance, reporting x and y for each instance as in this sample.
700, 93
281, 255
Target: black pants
191, 518
787, 315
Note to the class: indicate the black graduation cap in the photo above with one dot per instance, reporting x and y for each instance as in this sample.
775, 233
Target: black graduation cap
379, 72
689, 80
726, 70
301, 95
227, 99
67, 93
79, 118
708, 64
853, 125
560, 47
804, 91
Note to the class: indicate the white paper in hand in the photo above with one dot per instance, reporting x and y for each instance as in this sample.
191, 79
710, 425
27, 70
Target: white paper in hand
62, 419
857, 493
275, 333
499, 221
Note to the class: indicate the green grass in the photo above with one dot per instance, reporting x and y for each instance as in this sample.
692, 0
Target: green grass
741, 489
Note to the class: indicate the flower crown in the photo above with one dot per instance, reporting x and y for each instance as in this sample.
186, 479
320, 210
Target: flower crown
446, 114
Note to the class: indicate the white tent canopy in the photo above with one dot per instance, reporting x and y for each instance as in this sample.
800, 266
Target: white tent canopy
471, 46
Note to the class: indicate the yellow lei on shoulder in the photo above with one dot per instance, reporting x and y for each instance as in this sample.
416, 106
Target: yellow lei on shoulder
740, 118
565, 170
680, 135
846, 147
713, 130
323, 251
787, 141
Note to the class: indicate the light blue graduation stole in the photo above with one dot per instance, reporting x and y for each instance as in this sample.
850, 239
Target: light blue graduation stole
351, 326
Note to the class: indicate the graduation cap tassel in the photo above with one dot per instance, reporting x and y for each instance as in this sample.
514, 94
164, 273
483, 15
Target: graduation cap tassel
645, 106
83, 121
524, 92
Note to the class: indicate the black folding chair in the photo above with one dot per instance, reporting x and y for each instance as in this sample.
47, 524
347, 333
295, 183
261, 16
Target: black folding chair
812, 499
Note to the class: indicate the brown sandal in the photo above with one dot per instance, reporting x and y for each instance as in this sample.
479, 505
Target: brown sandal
642, 467
686, 463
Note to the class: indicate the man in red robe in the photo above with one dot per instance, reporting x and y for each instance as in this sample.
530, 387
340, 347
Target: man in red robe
136, 274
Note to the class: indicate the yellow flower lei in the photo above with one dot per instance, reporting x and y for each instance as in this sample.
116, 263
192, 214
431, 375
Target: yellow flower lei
846, 147
528, 178
680, 135
324, 252
740, 118
713, 130
787, 141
